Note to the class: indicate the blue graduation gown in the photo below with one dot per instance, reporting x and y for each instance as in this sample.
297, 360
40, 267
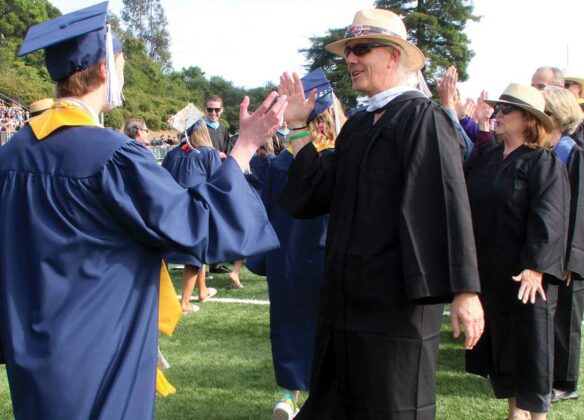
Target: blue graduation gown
189, 169
294, 275
259, 166
86, 216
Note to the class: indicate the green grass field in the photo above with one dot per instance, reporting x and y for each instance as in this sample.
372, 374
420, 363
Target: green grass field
222, 366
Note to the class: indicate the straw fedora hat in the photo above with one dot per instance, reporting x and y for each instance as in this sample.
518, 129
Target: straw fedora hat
382, 26
40, 106
570, 75
527, 98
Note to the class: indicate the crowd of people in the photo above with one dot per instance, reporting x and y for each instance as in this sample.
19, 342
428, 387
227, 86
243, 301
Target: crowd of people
364, 227
12, 117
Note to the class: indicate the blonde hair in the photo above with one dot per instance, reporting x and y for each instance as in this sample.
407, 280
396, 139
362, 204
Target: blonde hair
323, 128
563, 105
268, 147
200, 137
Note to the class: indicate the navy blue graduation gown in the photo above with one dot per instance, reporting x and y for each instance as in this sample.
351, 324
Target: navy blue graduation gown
294, 273
399, 243
87, 215
259, 166
190, 168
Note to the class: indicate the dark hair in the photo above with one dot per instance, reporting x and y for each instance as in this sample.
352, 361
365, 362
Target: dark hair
214, 98
132, 126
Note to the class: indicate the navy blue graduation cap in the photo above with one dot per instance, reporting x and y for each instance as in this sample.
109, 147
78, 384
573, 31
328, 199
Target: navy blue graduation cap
324, 95
72, 42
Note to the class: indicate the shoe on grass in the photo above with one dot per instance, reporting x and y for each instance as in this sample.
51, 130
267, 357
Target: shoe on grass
219, 269
286, 408
558, 395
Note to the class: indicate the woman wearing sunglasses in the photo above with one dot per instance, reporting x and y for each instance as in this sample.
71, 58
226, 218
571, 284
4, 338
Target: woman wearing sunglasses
563, 109
518, 193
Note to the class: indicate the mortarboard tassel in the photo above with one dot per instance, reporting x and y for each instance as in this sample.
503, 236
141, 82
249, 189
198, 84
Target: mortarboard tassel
113, 88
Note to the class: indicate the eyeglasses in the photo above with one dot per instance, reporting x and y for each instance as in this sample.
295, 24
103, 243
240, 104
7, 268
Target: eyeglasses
361, 49
217, 110
144, 129
506, 109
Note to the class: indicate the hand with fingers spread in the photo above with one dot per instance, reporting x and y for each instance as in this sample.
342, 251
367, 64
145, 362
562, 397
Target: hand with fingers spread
299, 107
467, 308
531, 285
256, 129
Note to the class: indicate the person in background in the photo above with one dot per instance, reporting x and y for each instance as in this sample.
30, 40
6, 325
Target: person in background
40, 106
280, 139
567, 116
136, 129
519, 197
192, 163
219, 134
295, 270
547, 76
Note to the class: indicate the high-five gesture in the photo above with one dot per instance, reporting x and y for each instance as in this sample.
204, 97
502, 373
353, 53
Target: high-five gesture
299, 108
257, 128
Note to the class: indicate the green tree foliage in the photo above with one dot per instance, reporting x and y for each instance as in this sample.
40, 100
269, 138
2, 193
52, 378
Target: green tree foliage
437, 28
150, 92
146, 20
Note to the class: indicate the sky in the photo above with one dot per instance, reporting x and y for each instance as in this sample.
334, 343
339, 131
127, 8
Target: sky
251, 42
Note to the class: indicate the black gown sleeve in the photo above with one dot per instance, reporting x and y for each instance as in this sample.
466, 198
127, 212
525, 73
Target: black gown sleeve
436, 233
311, 182
548, 215
575, 249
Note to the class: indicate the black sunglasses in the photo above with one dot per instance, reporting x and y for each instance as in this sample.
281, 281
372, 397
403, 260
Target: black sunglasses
506, 109
144, 129
217, 110
361, 49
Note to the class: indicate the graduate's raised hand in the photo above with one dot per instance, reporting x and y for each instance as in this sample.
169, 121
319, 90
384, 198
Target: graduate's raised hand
257, 128
531, 285
299, 107
467, 308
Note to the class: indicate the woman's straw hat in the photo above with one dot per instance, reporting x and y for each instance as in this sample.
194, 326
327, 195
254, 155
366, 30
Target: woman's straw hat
381, 26
527, 98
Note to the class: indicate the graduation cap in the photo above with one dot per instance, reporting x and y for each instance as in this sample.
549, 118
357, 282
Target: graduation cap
324, 96
74, 42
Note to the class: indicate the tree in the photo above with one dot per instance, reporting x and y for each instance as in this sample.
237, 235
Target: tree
435, 26
146, 20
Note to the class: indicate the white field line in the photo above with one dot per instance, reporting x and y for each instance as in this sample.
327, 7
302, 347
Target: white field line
231, 300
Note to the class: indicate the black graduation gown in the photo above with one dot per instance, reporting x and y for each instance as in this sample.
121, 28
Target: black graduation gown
219, 138
520, 216
568, 317
578, 135
399, 244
